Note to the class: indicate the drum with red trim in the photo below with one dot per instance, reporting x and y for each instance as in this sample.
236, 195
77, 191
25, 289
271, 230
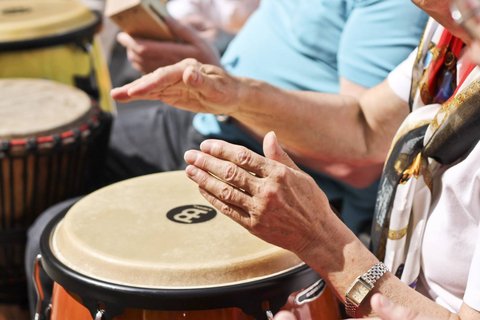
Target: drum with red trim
55, 40
52, 140
152, 248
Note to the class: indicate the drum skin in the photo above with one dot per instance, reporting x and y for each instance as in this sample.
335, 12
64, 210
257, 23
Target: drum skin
151, 248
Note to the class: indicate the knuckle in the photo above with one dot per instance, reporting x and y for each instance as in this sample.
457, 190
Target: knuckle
190, 61
202, 180
231, 172
226, 209
244, 157
226, 193
281, 173
270, 193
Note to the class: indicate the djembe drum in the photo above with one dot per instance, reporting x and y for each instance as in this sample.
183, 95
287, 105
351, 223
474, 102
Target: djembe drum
55, 40
152, 248
52, 143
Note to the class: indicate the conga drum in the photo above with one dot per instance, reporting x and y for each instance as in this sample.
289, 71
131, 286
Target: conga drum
55, 40
152, 248
52, 140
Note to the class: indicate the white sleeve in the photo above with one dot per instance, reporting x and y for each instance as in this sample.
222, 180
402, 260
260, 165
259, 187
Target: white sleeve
229, 15
400, 78
182, 8
472, 292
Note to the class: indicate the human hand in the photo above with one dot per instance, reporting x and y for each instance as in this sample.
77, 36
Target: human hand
208, 31
269, 195
186, 85
384, 308
146, 55
473, 52
387, 310
284, 315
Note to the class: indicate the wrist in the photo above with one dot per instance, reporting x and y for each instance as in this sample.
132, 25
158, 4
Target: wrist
362, 287
247, 98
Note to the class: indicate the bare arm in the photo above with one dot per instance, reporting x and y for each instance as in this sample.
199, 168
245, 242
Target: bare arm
337, 134
284, 206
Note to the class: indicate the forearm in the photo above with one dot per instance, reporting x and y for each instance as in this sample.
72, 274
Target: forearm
332, 133
307, 123
341, 261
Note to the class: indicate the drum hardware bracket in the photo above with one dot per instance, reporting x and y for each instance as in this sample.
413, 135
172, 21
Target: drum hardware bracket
311, 293
269, 314
37, 266
102, 311
99, 315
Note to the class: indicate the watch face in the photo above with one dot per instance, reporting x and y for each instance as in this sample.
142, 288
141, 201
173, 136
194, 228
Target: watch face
358, 292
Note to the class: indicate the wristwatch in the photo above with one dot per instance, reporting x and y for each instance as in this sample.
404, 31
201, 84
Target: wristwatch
361, 287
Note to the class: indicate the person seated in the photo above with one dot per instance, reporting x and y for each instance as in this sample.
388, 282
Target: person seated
217, 20
340, 48
427, 215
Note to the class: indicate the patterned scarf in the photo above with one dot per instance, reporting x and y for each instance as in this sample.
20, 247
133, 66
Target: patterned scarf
445, 126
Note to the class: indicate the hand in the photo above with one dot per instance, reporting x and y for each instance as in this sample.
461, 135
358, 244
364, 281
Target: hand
387, 310
284, 315
269, 195
473, 52
147, 55
186, 85
384, 308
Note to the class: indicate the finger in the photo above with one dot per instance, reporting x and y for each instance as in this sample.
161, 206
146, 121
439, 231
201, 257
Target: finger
236, 214
206, 183
221, 190
209, 82
284, 315
273, 150
224, 170
239, 155
160, 79
126, 40
390, 311
122, 93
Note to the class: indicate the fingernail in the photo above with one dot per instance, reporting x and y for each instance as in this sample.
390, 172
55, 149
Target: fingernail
191, 170
190, 156
194, 75
205, 146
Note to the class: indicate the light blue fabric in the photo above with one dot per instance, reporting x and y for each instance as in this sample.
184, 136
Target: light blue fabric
309, 45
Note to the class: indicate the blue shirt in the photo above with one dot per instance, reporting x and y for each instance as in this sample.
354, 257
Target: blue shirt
309, 45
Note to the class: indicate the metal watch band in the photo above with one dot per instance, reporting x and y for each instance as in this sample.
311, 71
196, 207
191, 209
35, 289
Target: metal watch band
375, 273
371, 276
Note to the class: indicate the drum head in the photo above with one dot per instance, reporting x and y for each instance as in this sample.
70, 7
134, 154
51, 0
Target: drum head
34, 107
30, 23
157, 231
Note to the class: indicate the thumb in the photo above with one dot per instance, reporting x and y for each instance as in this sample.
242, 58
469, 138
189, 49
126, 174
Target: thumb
387, 310
284, 315
273, 151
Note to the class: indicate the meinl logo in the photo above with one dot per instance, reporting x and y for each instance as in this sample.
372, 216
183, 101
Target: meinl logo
190, 214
